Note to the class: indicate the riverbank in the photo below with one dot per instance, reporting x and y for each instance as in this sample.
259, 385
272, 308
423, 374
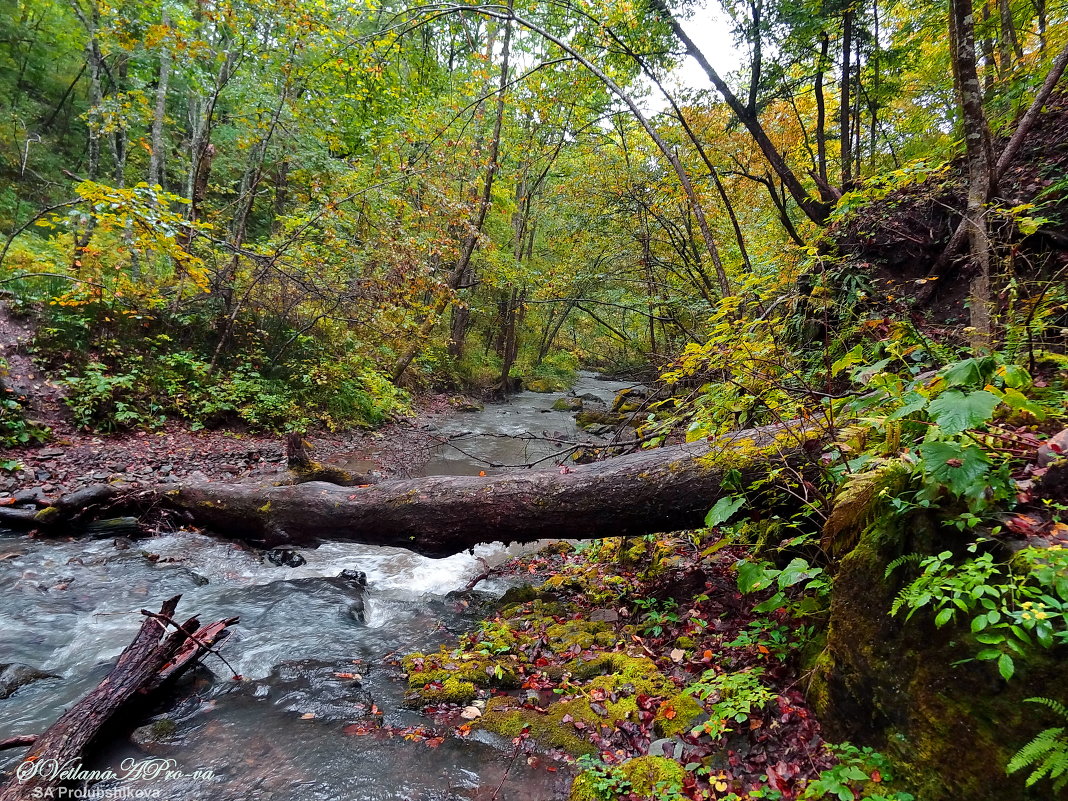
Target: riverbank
643, 663
72, 459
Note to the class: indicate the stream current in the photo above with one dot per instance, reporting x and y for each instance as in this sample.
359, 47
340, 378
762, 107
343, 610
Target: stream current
292, 729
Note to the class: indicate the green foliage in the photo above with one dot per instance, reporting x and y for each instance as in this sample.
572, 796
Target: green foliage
657, 614
861, 773
1011, 607
771, 639
15, 429
1047, 753
608, 782
810, 581
735, 697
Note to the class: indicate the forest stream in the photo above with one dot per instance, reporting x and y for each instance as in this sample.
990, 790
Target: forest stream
315, 648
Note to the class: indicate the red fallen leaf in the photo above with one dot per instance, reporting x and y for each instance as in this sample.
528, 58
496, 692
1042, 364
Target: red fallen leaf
876, 776
566, 719
7, 501
578, 724
356, 730
706, 656
551, 768
598, 694
434, 742
670, 713
1025, 525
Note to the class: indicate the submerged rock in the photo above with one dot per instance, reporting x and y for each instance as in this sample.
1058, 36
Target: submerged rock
15, 675
283, 557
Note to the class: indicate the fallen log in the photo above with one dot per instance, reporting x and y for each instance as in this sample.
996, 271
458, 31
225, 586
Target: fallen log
146, 665
656, 490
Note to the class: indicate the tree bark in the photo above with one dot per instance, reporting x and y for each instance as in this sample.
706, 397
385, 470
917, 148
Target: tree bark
156, 160
845, 129
656, 490
980, 172
144, 666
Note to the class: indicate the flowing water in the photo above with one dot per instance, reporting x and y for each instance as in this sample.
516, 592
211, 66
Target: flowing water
292, 728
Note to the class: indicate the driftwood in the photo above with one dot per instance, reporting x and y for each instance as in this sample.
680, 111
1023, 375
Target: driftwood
656, 490
146, 665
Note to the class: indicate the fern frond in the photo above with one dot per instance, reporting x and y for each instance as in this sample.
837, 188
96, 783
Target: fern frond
1056, 706
913, 558
1047, 753
857, 501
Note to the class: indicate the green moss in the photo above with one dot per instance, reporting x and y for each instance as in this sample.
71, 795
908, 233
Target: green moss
583, 633
677, 715
476, 669
547, 729
163, 729
542, 384
450, 691
647, 776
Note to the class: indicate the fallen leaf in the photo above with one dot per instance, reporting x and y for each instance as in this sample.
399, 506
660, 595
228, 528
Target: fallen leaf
677, 655
307, 716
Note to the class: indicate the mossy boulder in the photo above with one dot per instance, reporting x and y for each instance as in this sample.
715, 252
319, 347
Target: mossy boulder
567, 404
543, 384
677, 715
454, 677
592, 418
913, 691
648, 777
507, 717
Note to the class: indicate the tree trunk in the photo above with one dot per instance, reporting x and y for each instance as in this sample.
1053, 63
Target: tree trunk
656, 490
980, 172
844, 119
156, 160
821, 120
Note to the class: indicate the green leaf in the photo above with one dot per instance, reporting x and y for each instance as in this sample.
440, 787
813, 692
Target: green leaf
753, 576
955, 411
798, 570
1014, 376
723, 510
855, 356
1006, 667
914, 402
958, 467
970, 372
944, 617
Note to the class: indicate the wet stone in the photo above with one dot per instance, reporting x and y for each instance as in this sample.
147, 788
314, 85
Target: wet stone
15, 675
283, 557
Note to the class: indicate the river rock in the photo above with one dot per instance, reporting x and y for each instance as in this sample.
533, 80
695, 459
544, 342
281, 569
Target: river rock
357, 579
283, 557
152, 735
568, 404
462, 404
15, 675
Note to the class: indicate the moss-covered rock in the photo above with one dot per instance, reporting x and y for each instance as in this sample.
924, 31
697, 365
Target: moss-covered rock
543, 384
505, 716
677, 715
567, 404
453, 677
647, 776
950, 726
